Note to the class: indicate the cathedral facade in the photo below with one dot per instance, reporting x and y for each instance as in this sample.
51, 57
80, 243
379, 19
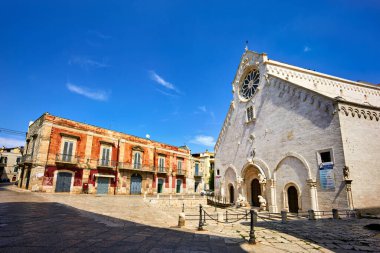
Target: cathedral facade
295, 139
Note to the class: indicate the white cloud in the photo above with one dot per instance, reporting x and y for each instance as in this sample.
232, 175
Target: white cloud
11, 143
87, 63
203, 140
202, 108
93, 94
158, 79
306, 49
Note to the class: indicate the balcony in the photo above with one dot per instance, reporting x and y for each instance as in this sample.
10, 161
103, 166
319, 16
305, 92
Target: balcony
181, 172
162, 170
109, 164
3, 161
66, 159
198, 174
27, 159
135, 167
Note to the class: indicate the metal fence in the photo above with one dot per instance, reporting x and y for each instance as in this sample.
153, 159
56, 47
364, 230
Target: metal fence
229, 216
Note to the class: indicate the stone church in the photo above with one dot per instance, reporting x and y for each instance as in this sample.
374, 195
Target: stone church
296, 139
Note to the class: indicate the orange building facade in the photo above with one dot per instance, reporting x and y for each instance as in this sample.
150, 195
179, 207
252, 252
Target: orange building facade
63, 155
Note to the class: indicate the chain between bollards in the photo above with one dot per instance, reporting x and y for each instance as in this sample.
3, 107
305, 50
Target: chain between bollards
252, 237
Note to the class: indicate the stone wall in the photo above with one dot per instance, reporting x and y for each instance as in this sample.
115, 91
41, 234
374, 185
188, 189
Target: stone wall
361, 142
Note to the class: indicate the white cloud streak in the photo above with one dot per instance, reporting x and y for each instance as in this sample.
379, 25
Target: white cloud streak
202, 108
158, 79
92, 94
87, 63
11, 142
306, 49
203, 140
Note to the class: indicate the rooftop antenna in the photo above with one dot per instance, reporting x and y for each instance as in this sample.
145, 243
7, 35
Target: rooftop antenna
246, 45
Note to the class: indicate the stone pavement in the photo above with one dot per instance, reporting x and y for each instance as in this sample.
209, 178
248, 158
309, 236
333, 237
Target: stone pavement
39, 222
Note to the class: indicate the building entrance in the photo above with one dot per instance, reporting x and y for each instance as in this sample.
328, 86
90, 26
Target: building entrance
232, 194
293, 199
255, 192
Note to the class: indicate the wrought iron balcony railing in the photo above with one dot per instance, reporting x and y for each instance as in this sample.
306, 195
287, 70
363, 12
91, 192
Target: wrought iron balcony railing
198, 174
28, 158
103, 163
181, 172
66, 158
160, 169
135, 166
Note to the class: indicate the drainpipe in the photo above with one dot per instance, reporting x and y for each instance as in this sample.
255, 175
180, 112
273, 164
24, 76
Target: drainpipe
117, 166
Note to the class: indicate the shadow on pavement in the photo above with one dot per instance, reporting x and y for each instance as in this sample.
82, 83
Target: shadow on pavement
55, 227
340, 235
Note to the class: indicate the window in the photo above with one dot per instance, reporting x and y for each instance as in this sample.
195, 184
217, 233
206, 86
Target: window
217, 172
18, 160
67, 153
161, 164
196, 169
325, 156
137, 160
105, 154
250, 114
179, 167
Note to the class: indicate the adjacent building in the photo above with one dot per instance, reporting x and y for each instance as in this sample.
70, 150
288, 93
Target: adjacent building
63, 155
9, 161
299, 138
202, 165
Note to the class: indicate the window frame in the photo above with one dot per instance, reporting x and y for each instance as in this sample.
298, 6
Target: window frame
250, 114
73, 152
137, 165
319, 158
108, 162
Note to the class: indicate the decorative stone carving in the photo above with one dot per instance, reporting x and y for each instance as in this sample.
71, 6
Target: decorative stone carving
346, 172
263, 203
262, 179
241, 201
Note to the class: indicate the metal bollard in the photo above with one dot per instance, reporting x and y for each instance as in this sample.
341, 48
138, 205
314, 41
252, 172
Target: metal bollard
246, 214
335, 213
284, 216
252, 237
183, 207
200, 225
226, 216
311, 214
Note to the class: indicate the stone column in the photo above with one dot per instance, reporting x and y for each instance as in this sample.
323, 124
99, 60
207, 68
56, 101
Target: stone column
349, 194
313, 194
273, 204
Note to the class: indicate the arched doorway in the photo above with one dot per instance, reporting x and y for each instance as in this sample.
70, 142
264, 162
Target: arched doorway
255, 192
136, 183
292, 199
231, 191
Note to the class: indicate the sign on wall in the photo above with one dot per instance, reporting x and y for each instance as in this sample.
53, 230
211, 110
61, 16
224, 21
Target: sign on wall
326, 175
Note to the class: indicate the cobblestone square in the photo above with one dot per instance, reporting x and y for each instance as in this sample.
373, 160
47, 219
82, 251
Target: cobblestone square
40, 222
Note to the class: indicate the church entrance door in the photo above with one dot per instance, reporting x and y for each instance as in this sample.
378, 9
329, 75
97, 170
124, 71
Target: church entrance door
293, 199
255, 192
232, 196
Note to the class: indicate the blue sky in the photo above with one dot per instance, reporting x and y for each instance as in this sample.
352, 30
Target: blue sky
165, 68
